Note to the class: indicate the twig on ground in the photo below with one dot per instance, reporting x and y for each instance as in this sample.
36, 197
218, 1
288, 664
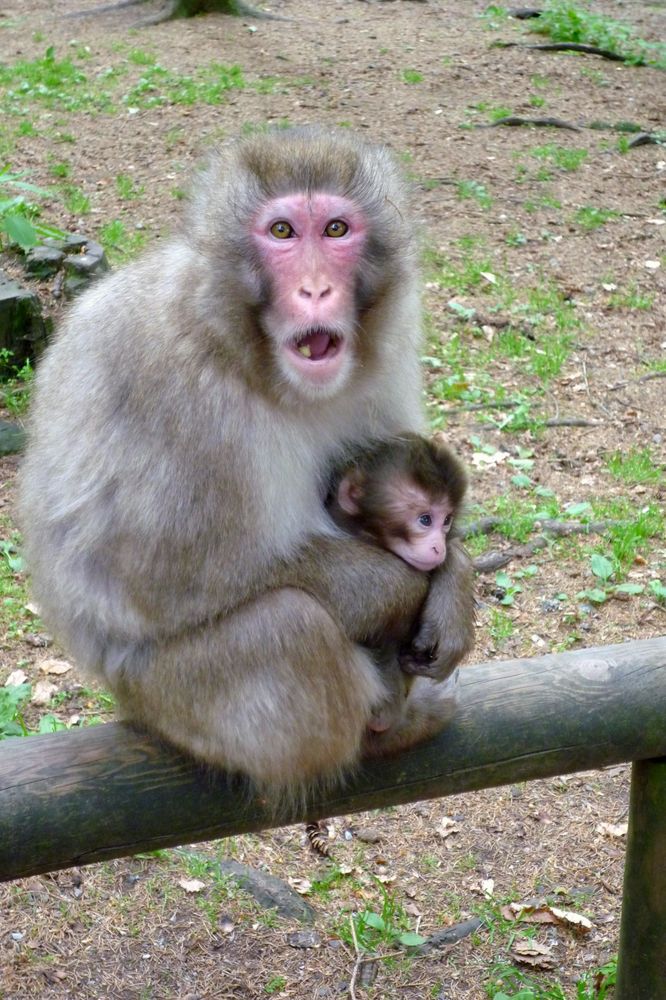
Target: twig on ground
591, 50
494, 560
515, 120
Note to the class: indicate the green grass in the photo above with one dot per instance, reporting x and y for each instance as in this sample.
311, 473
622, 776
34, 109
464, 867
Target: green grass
637, 465
590, 217
474, 190
55, 83
411, 76
561, 157
14, 618
121, 245
76, 200
208, 85
127, 187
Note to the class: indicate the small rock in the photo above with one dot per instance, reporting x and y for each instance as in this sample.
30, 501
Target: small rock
43, 261
304, 939
269, 891
369, 835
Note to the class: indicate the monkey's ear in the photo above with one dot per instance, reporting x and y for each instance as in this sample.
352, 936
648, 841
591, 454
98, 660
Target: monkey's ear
350, 492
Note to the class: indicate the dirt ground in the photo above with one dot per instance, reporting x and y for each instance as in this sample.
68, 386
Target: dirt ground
426, 78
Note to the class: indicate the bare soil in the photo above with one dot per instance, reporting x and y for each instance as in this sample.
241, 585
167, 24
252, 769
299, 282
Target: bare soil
129, 929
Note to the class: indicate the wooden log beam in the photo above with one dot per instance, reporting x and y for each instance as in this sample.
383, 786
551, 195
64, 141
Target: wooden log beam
641, 972
73, 798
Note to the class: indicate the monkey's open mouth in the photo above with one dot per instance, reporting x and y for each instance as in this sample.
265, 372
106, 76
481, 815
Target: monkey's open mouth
317, 345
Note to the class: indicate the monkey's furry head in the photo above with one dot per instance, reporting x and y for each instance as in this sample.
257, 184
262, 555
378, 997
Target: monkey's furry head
239, 177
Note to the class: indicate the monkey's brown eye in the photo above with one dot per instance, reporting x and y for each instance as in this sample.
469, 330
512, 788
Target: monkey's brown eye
425, 520
282, 230
336, 228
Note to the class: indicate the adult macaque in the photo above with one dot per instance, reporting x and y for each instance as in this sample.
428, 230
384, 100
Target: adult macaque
403, 494
184, 423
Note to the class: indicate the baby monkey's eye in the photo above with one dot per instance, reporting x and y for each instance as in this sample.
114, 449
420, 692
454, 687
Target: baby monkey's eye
282, 230
425, 520
336, 228
448, 520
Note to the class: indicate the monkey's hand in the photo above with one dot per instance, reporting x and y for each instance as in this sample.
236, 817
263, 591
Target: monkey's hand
445, 632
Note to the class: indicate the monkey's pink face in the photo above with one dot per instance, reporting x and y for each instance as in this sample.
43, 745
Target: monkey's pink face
311, 247
427, 524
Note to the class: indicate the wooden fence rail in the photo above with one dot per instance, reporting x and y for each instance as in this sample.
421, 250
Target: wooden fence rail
73, 798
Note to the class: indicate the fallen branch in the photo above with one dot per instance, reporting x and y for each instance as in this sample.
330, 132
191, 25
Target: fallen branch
490, 562
591, 50
636, 381
515, 120
571, 422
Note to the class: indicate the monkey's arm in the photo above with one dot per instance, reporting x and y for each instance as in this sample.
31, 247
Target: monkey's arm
374, 595
445, 633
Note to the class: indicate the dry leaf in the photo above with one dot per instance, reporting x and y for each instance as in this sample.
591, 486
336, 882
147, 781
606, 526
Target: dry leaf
528, 914
532, 953
33, 609
488, 887
575, 920
303, 886
55, 666
16, 678
191, 884
612, 829
43, 692
482, 458
446, 827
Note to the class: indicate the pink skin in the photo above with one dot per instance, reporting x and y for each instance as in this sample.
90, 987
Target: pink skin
312, 275
425, 548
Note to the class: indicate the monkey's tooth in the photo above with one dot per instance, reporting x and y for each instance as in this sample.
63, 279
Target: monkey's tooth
305, 350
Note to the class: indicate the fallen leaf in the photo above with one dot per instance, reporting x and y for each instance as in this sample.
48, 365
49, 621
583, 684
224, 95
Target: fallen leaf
532, 953
612, 829
191, 884
575, 920
303, 886
55, 666
15, 678
43, 692
447, 827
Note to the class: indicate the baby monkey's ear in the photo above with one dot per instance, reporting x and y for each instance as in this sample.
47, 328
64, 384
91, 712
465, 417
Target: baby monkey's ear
351, 490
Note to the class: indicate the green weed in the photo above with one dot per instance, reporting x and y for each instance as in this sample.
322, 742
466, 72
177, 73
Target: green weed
590, 217
58, 84
636, 465
15, 383
12, 701
370, 929
500, 627
475, 190
565, 22
411, 76
119, 244
208, 85
561, 156
76, 200
127, 187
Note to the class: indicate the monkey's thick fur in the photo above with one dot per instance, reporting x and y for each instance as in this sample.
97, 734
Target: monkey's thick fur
172, 495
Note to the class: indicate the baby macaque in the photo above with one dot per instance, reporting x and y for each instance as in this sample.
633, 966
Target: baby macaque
403, 494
